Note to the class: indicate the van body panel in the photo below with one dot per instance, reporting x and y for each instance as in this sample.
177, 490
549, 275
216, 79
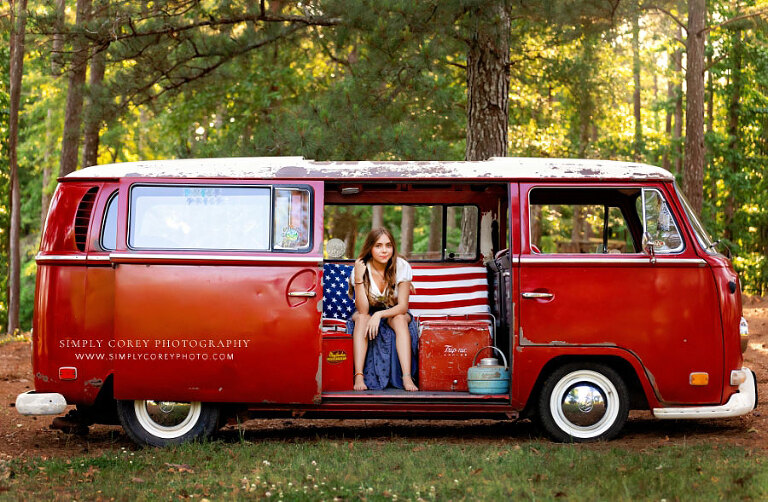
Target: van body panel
629, 301
246, 321
60, 322
235, 325
531, 361
729, 297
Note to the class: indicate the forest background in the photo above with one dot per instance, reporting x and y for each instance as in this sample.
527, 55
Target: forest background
680, 84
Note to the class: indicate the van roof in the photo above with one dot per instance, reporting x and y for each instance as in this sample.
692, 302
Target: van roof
300, 168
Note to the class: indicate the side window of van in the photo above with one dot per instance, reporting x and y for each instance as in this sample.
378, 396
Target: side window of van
109, 225
423, 233
660, 223
219, 217
583, 221
292, 218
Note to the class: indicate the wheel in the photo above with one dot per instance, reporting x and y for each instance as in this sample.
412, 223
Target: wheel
583, 402
160, 423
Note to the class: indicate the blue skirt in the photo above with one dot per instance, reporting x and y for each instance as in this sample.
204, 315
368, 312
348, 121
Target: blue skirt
382, 366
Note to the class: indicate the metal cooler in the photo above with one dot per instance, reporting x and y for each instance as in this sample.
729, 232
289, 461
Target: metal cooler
446, 350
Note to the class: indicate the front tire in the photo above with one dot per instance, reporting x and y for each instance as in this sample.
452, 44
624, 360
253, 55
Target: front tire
162, 423
583, 402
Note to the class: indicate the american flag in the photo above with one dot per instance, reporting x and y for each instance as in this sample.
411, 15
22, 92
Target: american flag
440, 290
336, 301
452, 289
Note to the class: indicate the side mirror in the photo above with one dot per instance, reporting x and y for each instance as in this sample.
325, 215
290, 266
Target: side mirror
648, 246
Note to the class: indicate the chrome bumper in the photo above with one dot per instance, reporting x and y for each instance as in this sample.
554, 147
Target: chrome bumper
46, 403
739, 404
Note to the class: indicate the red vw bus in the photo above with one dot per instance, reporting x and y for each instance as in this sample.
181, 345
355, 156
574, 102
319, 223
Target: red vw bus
174, 295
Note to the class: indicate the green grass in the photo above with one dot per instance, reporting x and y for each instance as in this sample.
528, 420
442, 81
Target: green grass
393, 469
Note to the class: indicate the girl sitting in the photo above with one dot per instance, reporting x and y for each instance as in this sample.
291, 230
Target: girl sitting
385, 333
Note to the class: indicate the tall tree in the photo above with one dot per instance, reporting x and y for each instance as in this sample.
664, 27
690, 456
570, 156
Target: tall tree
93, 115
487, 95
488, 81
73, 116
18, 27
693, 171
56, 65
639, 146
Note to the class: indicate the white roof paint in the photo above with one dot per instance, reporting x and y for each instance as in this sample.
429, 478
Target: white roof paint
300, 168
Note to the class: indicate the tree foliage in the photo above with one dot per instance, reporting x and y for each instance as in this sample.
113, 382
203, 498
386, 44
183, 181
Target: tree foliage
351, 79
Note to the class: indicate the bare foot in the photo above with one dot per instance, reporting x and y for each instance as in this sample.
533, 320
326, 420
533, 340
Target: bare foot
408, 384
360, 383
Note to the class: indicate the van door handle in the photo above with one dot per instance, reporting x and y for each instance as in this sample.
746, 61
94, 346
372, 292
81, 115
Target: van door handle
537, 295
303, 294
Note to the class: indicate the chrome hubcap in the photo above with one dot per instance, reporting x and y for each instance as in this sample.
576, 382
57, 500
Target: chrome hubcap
168, 413
167, 419
583, 405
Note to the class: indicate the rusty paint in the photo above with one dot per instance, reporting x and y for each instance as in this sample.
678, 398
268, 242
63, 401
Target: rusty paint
95, 382
505, 168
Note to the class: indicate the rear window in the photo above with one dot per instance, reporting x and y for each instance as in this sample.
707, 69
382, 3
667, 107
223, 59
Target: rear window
210, 217
423, 233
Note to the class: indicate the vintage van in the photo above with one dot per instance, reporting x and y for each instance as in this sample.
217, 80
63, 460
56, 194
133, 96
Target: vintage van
175, 295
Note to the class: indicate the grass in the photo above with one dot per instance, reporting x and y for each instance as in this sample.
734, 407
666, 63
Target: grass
395, 469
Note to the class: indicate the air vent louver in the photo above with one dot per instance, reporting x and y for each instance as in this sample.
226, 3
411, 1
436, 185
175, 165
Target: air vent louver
83, 217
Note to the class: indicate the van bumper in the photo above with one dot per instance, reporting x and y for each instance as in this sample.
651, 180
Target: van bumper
739, 404
45, 403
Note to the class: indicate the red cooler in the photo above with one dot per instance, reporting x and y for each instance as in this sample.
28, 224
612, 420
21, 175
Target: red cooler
338, 363
446, 350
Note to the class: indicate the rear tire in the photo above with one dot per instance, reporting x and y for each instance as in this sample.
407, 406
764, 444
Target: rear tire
583, 402
162, 423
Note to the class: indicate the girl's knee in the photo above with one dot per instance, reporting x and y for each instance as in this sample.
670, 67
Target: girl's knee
399, 320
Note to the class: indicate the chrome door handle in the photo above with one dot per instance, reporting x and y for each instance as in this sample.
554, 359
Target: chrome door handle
538, 295
303, 294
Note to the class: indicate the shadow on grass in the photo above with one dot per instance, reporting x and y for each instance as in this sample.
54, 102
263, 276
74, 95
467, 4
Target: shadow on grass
637, 433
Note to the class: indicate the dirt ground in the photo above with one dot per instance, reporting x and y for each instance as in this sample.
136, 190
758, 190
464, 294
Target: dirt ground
32, 436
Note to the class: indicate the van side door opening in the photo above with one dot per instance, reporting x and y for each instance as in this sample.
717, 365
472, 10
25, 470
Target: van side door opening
446, 232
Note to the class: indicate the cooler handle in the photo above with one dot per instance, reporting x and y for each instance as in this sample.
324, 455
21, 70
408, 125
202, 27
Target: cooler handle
494, 348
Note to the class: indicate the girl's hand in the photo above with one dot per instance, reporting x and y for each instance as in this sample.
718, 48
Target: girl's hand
372, 329
359, 270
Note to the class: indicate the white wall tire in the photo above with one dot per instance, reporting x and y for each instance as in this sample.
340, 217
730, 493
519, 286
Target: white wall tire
583, 402
160, 423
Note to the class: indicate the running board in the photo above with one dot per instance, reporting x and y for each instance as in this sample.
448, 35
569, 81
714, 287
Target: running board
404, 395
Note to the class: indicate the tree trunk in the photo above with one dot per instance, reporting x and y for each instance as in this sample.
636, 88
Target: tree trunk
734, 111
677, 136
665, 163
18, 27
406, 231
73, 115
488, 83
95, 111
639, 146
487, 96
435, 233
377, 220
58, 43
693, 174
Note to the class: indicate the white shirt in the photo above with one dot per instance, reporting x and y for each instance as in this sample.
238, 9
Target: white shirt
403, 272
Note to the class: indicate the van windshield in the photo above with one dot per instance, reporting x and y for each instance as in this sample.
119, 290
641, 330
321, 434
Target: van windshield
698, 228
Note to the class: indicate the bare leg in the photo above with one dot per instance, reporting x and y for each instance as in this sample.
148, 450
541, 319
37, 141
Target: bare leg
360, 347
399, 324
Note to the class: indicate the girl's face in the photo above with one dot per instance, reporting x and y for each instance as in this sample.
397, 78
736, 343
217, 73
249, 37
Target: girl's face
382, 250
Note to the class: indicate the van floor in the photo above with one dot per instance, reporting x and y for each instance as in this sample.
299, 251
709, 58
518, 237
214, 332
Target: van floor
401, 394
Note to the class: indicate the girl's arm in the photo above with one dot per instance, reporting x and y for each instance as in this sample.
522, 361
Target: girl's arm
361, 296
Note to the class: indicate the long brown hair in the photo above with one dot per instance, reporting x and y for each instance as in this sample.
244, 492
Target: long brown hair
390, 270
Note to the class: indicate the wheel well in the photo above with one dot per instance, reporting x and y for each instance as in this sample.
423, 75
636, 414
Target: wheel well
103, 409
637, 399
